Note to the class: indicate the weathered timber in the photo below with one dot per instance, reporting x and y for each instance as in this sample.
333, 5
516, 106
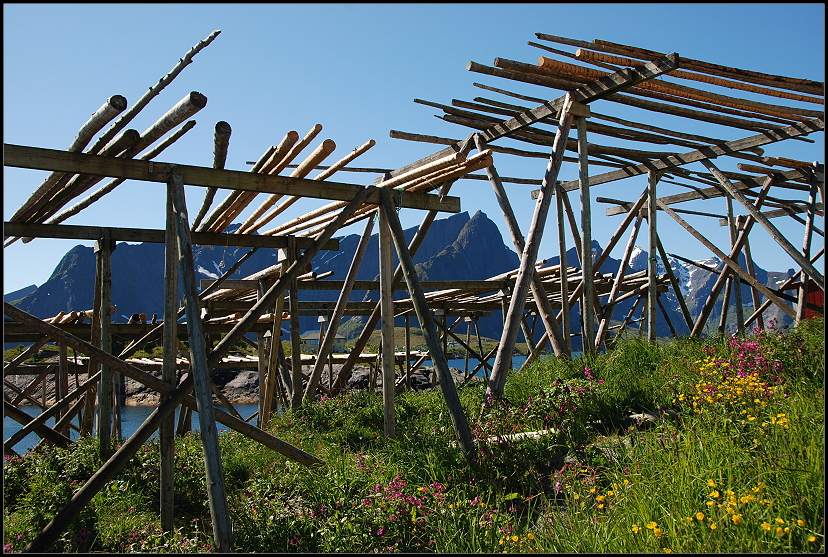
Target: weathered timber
458, 418
221, 142
216, 491
387, 341
79, 232
795, 254
49, 159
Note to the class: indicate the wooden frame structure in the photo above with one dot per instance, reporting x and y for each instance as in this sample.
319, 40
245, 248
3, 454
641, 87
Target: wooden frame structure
221, 312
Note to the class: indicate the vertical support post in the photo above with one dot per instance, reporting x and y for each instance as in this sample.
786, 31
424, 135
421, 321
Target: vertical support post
295, 332
737, 284
168, 370
749, 267
103, 248
438, 357
407, 352
588, 307
806, 249
219, 512
726, 300
386, 263
652, 260
503, 360
62, 383
564, 268
263, 359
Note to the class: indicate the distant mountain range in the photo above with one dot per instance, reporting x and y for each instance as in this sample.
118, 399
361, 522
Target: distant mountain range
456, 248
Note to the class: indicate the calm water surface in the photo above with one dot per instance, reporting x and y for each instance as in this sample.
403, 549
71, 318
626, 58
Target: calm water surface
133, 416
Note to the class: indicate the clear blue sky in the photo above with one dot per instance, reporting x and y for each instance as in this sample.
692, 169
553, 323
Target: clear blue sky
356, 69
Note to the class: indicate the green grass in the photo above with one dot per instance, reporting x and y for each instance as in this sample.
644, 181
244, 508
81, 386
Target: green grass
740, 470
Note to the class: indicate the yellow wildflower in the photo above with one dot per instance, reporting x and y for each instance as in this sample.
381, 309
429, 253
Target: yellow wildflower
766, 526
714, 494
711, 483
736, 518
635, 528
811, 538
657, 532
800, 523
651, 525
699, 516
530, 535
779, 521
713, 526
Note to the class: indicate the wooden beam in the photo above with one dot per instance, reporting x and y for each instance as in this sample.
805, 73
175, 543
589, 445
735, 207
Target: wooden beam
80, 232
151, 171
387, 340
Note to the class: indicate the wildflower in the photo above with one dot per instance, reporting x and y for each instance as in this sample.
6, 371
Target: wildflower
657, 532
766, 526
779, 521
515, 538
736, 518
800, 523
530, 536
713, 526
651, 525
711, 483
714, 494
699, 516
812, 538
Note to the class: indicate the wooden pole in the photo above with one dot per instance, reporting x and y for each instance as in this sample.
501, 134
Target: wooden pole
373, 319
737, 292
736, 247
168, 370
458, 418
674, 282
219, 513
221, 142
603, 327
754, 294
547, 314
730, 262
295, 332
103, 248
326, 345
803, 262
652, 267
589, 307
564, 266
503, 359
112, 107
806, 248
387, 349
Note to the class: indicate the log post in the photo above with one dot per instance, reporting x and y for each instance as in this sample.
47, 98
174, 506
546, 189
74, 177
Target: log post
674, 282
609, 307
407, 352
387, 342
219, 513
720, 280
652, 261
729, 261
295, 332
168, 370
726, 299
754, 294
503, 359
103, 248
565, 322
438, 357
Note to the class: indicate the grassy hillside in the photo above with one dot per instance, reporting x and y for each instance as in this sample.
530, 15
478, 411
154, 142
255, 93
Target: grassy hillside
733, 463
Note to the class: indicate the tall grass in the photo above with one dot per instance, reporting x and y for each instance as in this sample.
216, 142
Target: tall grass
740, 468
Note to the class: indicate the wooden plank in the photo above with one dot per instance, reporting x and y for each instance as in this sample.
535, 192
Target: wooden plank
652, 268
80, 232
151, 171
